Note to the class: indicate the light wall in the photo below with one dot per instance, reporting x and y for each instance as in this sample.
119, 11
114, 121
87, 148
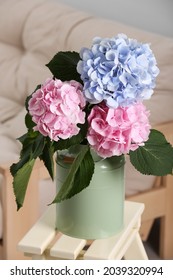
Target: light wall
152, 15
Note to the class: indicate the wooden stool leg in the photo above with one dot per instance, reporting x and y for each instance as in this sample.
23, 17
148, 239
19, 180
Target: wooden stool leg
166, 233
39, 257
136, 250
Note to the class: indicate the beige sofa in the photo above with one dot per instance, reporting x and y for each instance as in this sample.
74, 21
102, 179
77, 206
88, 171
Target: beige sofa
31, 32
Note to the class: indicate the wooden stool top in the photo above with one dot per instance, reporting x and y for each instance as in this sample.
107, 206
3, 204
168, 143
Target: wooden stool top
44, 239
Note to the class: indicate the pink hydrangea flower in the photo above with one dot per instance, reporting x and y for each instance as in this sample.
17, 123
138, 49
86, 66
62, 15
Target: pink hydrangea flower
113, 132
56, 108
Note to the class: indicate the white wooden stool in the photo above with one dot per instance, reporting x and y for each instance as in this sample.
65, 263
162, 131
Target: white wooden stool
44, 242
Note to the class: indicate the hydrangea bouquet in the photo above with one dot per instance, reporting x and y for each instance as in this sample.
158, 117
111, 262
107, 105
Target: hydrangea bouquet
95, 99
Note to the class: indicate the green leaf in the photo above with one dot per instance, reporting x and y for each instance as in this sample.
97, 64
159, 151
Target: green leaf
155, 157
16, 166
29, 122
47, 157
63, 66
28, 137
24, 154
79, 176
38, 146
20, 182
23, 138
33, 145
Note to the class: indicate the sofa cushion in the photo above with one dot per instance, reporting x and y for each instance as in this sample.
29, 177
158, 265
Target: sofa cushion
8, 109
28, 40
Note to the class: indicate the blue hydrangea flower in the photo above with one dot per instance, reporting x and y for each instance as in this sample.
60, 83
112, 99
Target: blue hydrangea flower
118, 70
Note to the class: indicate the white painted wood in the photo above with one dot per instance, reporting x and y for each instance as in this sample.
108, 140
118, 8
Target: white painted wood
132, 213
41, 234
107, 248
127, 242
136, 250
118, 255
67, 247
38, 257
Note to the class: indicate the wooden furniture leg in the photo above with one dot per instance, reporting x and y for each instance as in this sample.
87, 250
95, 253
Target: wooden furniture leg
17, 223
158, 204
136, 250
166, 223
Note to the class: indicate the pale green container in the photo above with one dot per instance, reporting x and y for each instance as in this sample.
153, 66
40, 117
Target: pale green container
97, 211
